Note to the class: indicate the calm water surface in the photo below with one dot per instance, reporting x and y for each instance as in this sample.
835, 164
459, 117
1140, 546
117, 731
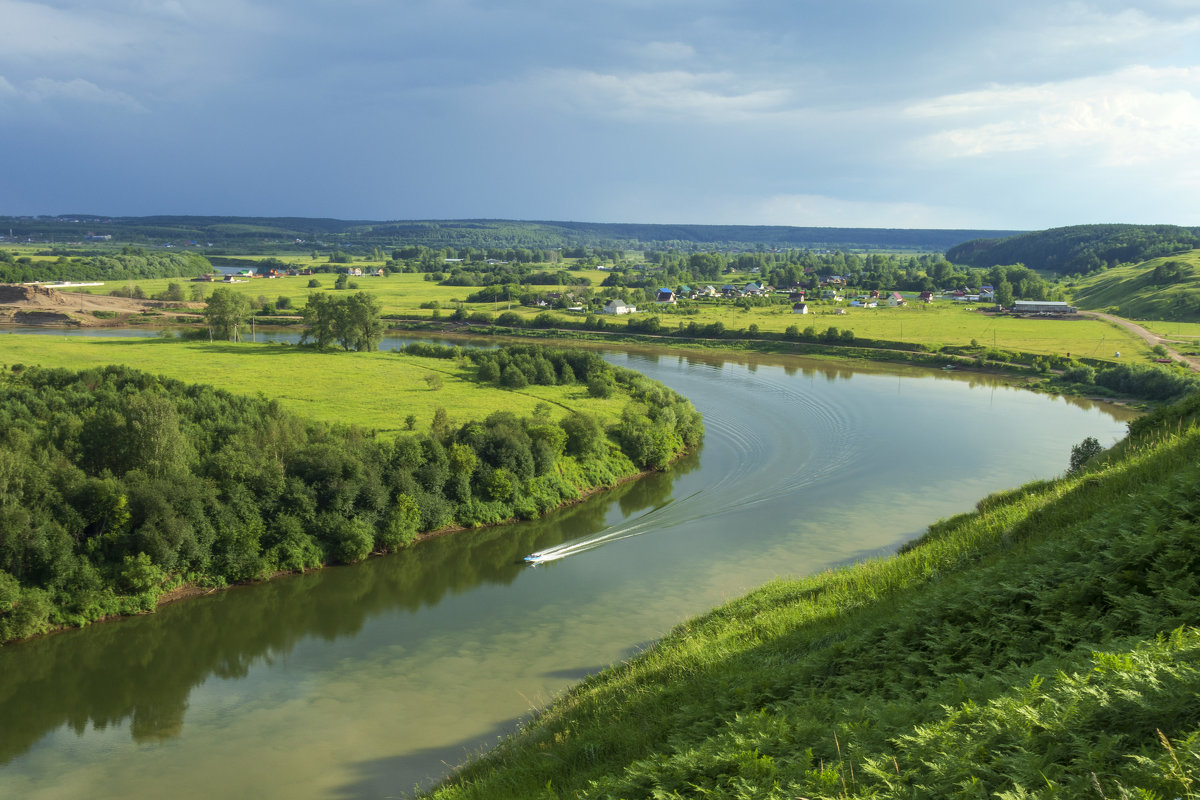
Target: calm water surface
367, 681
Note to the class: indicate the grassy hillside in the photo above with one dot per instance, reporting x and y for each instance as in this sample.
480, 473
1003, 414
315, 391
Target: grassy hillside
1078, 249
1165, 288
1043, 646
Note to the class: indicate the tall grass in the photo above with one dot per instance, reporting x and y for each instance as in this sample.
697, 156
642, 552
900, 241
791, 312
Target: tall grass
1046, 645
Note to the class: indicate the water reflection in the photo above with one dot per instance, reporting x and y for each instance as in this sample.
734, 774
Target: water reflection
365, 680
142, 670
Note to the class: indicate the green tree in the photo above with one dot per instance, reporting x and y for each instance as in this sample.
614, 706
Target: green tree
360, 327
1004, 294
225, 313
1084, 452
319, 320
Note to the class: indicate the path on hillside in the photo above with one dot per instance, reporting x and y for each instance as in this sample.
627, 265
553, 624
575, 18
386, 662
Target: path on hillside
1149, 337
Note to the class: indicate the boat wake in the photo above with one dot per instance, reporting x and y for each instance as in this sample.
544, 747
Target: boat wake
655, 519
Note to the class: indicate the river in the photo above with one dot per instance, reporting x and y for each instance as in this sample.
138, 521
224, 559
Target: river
367, 681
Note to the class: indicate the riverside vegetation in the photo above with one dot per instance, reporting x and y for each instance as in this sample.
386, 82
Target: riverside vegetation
1045, 645
117, 486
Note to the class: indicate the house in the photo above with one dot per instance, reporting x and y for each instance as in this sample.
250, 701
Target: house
664, 296
831, 294
926, 297
896, 299
754, 288
683, 291
708, 291
729, 290
617, 307
800, 308
797, 296
874, 294
863, 303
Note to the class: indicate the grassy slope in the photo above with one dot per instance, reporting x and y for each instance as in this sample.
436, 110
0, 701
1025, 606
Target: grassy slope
1040, 647
1129, 289
371, 390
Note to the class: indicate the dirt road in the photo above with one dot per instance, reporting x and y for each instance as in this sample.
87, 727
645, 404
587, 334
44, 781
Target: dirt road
1148, 337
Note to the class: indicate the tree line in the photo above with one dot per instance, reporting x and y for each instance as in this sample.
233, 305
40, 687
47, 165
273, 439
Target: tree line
116, 485
131, 264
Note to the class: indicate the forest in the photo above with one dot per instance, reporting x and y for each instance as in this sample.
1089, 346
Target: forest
117, 486
1079, 249
131, 263
262, 234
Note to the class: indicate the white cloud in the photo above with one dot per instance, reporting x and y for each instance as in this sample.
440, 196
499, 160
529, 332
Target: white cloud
79, 91
677, 93
1081, 26
1134, 116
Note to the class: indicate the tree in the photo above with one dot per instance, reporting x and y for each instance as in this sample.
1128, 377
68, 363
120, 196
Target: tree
353, 322
1004, 294
1084, 452
225, 312
318, 320
361, 326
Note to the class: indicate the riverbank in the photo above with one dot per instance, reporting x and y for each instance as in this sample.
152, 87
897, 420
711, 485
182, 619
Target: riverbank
368, 679
1046, 639
169, 484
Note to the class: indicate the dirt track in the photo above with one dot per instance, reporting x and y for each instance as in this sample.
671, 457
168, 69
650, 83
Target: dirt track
1148, 337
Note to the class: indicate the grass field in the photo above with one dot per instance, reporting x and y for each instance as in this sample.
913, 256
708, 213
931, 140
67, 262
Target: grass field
372, 390
940, 323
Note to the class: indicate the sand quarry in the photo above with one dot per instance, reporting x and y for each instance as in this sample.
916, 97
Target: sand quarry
32, 304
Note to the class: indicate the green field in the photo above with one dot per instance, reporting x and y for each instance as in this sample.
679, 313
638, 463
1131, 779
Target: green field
371, 390
937, 324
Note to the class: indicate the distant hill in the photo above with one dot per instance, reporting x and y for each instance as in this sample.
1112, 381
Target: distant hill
251, 234
1077, 249
1165, 288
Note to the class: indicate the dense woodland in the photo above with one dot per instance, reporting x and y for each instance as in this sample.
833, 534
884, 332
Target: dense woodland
116, 485
265, 234
1079, 249
131, 263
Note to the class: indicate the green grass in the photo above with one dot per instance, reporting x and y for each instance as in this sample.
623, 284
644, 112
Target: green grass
1132, 291
372, 390
1044, 646
935, 325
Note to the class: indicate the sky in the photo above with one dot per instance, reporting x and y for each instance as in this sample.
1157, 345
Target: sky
1015, 114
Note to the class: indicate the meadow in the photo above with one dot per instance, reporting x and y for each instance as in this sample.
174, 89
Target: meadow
934, 325
376, 391
942, 323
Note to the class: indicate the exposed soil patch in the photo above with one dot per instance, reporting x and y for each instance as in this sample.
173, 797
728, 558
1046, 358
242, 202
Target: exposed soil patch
22, 304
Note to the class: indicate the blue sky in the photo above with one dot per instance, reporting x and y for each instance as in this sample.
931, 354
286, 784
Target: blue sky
906, 113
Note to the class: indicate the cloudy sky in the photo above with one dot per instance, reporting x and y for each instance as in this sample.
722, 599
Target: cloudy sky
892, 113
